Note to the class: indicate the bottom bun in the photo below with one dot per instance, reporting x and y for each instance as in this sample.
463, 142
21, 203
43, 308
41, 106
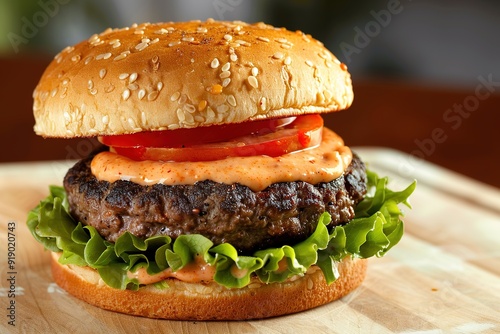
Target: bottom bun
210, 301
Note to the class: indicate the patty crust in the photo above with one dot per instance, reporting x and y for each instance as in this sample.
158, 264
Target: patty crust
283, 213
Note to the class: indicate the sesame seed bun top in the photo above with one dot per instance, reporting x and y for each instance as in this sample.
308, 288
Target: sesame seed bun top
185, 75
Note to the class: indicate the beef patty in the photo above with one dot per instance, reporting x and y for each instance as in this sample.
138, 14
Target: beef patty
283, 213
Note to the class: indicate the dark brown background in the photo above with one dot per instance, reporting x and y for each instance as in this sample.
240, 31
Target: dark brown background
394, 114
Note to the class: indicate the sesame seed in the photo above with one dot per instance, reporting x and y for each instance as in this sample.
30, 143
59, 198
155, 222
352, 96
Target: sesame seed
188, 118
66, 116
225, 74
153, 95
233, 57
99, 42
309, 63
156, 40
88, 60
263, 104
263, 39
68, 49
90, 84
180, 115
126, 94
103, 56
228, 37
145, 40
226, 67
253, 81
114, 41
122, 55
201, 30
189, 108
102, 73
133, 86
155, 59
76, 58
132, 77
325, 55
110, 88
282, 40
210, 115
123, 76
188, 39
216, 89
278, 55
286, 46
93, 38
242, 42
141, 46
255, 71
222, 108
231, 100
131, 122
288, 61
65, 82
144, 120
174, 43
162, 31
175, 96
202, 105
214, 63
53, 92
183, 99
93, 91
141, 94
139, 32
226, 82
159, 86
105, 119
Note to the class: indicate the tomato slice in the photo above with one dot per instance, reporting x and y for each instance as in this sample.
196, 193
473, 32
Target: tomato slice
272, 139
197, 136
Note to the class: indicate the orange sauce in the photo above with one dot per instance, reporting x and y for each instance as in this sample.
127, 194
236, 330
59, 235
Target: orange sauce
321, 164
194, 272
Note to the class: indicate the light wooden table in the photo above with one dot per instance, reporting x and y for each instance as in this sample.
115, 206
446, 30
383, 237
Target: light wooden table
443, 277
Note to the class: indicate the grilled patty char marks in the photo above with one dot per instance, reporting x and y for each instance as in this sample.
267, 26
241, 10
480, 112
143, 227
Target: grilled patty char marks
283, 213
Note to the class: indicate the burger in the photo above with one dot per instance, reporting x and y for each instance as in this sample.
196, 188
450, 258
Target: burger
217, 194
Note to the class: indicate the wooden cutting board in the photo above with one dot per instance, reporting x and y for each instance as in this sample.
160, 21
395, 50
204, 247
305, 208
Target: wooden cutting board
443, 277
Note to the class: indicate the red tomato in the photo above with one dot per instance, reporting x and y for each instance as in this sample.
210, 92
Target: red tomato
271, 137
197, 136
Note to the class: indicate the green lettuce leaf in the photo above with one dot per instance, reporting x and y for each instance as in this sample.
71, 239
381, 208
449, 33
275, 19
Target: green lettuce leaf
376, 228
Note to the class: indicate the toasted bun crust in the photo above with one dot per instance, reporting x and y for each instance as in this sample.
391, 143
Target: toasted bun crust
185, 75
191, 301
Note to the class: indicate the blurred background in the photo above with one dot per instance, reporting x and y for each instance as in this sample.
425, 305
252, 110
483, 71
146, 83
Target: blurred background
426, 73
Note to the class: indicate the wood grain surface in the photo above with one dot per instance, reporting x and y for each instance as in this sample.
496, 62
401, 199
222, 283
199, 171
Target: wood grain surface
443, 277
